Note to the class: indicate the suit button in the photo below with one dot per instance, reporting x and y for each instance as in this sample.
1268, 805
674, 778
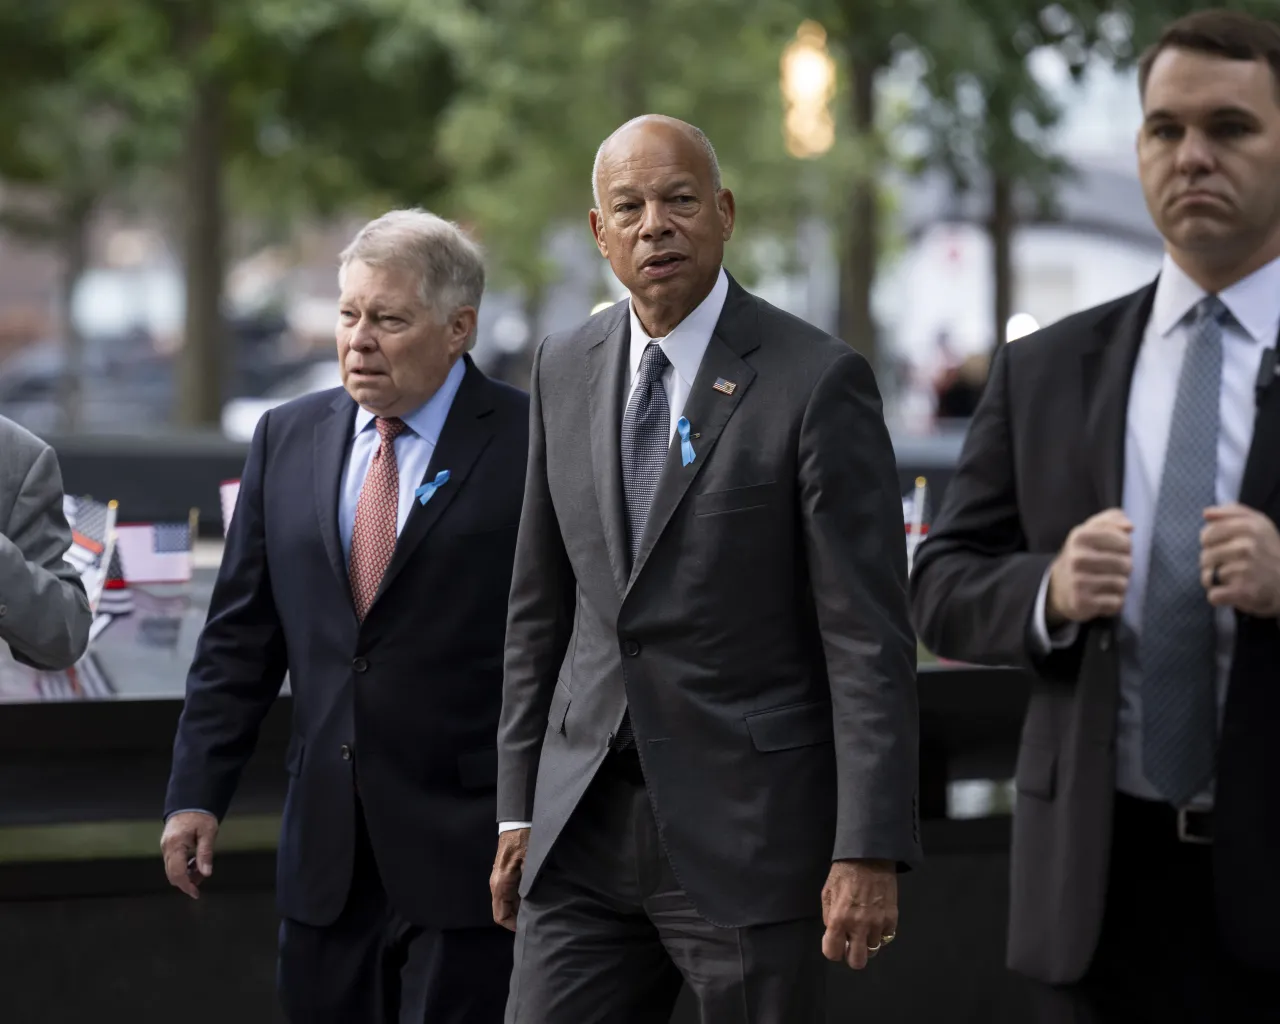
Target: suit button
360, 665
630, 648
1104, 641
346, 752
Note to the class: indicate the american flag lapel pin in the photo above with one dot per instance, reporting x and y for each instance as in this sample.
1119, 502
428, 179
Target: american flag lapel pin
725, 387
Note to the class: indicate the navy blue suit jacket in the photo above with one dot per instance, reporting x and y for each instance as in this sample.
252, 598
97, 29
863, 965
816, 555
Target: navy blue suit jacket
404, 705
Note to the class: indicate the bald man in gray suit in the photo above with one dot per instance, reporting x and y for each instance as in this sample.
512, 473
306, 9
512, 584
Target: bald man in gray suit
44, 613
707, 752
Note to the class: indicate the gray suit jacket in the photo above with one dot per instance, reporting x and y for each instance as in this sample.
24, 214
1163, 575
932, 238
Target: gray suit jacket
762, 639
44, 614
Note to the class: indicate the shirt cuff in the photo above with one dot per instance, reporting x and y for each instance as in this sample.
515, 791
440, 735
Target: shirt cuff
190, 810
1063, 636
511, 826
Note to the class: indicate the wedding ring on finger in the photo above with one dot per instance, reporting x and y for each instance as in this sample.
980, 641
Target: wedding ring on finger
876, 947
887, 938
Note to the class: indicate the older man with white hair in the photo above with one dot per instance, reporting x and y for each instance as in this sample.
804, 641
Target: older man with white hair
370, 558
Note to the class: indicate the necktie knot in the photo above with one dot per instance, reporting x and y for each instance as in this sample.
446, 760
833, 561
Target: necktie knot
1211, 309
389, 429
653, 364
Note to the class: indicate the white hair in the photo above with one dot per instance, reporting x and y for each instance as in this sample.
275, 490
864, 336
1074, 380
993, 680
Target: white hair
449, 265
695, 133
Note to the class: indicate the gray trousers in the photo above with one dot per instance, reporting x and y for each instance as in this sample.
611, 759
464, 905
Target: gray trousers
607, 935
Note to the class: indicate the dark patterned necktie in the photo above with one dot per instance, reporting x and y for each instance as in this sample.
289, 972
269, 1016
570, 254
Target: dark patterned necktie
646, 436
373, 536
1177, 648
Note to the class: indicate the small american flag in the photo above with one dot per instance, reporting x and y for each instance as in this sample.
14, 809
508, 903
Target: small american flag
116, 597
228, 491
155, 552
88, 520
725, 386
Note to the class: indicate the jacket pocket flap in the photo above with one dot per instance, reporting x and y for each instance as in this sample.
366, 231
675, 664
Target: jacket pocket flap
293, 756
796, 725
735, 499
559, 709
1037, 770
478, 769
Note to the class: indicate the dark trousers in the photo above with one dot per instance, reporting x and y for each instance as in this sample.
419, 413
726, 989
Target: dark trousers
1158, 958
606, 935
371, 966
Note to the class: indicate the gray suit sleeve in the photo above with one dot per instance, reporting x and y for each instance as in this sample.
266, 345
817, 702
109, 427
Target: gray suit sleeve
44, 613
852, 519
539, 623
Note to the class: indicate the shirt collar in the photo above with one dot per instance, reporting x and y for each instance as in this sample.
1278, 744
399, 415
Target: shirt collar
685, 346
1254, 302
428, 419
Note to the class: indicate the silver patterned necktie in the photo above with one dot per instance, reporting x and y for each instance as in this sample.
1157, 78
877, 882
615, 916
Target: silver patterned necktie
1177, 648
646, 436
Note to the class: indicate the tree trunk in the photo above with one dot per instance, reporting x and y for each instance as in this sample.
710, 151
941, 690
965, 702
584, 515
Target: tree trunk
73, 240
201, 363
1003, 222
858, 266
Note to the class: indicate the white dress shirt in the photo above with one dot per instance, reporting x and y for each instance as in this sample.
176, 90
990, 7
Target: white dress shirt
1254, 304
684, 348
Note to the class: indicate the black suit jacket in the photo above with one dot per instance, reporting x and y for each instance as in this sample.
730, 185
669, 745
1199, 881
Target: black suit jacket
406, 702
1045, 452
762, 638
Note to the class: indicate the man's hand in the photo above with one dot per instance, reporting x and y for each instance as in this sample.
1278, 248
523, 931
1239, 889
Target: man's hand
1090, 576
186, 834
504, 880
1243, 546
860, 910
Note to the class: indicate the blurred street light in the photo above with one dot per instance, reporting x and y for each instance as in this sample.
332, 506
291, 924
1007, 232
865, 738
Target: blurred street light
808, 83
1020, 325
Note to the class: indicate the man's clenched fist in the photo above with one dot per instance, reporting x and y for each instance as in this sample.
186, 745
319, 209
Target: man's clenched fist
1090, 576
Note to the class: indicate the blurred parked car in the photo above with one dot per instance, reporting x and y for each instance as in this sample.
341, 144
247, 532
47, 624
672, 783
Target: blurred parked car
240, 415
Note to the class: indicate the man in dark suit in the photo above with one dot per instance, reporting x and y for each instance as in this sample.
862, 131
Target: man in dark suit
1111, 528
370, 556
709, 702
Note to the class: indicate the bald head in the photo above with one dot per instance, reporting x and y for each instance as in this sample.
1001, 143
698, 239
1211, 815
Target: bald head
655, 126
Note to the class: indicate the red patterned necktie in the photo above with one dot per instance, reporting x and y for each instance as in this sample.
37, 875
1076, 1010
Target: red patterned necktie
373, 537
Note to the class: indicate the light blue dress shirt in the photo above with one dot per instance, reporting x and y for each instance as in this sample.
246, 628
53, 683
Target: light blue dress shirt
414, 448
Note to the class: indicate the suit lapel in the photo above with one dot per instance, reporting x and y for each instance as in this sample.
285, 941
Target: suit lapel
332, 440
1106, 374
465, 436
608, 368
707, 411
1262, 467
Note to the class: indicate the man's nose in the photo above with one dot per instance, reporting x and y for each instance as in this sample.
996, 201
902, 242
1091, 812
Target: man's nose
656, 222
1196, 155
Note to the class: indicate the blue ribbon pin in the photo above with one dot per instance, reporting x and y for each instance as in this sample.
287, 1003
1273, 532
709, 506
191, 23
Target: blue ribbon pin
426, 490
686, 446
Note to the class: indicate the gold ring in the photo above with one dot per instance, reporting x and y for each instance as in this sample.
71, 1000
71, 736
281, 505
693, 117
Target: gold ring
888, 938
